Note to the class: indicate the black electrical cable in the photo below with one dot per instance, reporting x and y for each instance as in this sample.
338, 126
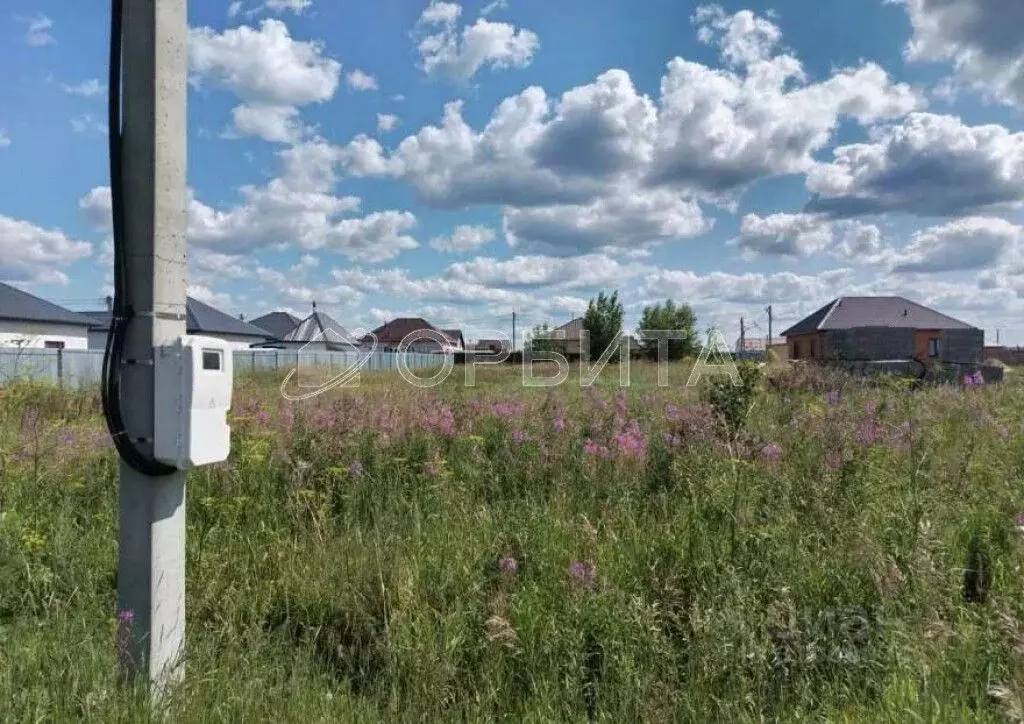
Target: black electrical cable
123, 311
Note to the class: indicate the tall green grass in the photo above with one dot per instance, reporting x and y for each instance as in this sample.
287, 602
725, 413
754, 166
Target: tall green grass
351, 561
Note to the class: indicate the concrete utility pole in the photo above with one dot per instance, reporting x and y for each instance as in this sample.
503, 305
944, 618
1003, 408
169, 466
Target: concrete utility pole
513, 330
769, 310
151, 552
743, 337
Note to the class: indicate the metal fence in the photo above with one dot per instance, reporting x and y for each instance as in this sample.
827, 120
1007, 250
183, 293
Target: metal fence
77, 367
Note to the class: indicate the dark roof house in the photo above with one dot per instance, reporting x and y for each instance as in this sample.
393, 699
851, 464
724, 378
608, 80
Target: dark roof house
854, 312
390, 335
200, 318
319, 328
19, 306
883, 329
455, 335
278, 324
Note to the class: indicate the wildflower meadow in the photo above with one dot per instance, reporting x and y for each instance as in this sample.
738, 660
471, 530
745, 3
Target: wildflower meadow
803, 546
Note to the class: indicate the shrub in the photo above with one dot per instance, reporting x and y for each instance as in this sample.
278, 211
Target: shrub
732, 399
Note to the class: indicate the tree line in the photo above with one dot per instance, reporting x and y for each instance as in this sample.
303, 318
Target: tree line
603, 321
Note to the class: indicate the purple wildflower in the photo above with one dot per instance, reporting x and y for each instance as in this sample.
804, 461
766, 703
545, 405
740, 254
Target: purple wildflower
583, 573
868, 433
871, 407
287, 416
975, 379
263, 417
771, 453
508, 409
355, 469
443, 421
631, 442
833, 397
672, 412
834, 460
592, 448
508, 565
519, 435
559, 421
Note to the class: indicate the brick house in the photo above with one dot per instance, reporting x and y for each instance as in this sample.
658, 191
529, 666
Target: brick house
862, 329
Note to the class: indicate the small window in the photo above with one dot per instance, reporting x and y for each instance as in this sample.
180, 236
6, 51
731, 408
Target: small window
211, 359
53, 345
933, 347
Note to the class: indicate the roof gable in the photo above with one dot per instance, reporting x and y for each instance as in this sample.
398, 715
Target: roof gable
318, 327
276, 323
18, 305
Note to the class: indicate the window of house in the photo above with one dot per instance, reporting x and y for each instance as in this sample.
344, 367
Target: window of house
796, 350
53, 345
933, 347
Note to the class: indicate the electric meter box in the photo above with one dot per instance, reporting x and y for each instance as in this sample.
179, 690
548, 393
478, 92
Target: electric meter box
192, 386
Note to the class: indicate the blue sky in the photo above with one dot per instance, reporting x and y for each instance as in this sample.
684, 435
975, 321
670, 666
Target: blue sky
461, 161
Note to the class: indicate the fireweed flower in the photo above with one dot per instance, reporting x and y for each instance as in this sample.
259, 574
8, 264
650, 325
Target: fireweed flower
519, 435
124, 631
834, 460
974, 380
583, 573
508, 565
263, 417
672, 413
868, 433
771, 453
558, 422
508, 409
833, 397
592, 448
443, 421
631, 442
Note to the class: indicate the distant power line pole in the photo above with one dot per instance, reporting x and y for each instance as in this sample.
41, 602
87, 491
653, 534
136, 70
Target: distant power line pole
513, 329
743, 336
769, 310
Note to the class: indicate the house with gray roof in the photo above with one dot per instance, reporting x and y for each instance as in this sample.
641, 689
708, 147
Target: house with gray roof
278, 324
874, 329
200, 319
26, 321
317, 332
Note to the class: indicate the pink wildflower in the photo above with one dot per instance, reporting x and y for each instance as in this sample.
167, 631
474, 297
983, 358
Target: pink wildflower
631, 442
771, 453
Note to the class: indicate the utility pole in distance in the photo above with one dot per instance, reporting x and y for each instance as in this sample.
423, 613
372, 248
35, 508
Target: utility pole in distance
743, 337
769, 310
513, 330
151, 544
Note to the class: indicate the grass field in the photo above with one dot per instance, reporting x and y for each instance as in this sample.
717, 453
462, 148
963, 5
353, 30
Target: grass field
390, 553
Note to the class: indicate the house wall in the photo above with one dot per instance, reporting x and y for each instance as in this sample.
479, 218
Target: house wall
962, 345
37, 334
869, 343
809, 345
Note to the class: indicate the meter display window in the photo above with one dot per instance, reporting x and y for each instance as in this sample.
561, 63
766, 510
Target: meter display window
211, 360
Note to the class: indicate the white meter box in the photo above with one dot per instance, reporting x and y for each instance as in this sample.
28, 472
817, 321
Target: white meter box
193, 382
